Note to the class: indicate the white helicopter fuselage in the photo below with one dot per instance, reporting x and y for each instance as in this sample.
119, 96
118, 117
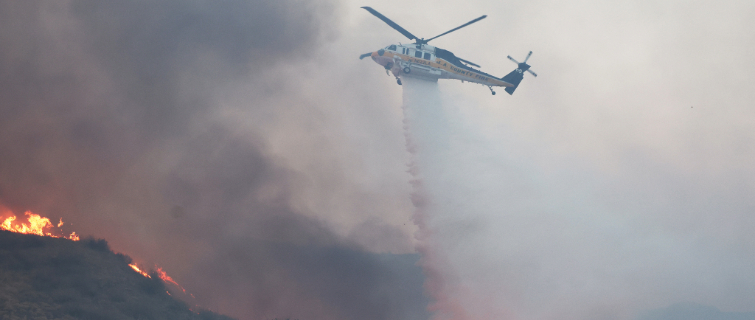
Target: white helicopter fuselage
422, 61
428, 63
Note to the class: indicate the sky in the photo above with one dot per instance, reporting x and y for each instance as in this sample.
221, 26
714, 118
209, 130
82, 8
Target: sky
243, 147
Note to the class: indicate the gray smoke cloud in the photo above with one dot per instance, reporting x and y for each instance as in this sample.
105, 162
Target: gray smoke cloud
115, 116
196, 136
616, 182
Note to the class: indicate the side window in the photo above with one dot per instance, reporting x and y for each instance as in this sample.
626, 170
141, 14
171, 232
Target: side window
392, 47
427, 56
403, 50
418, 54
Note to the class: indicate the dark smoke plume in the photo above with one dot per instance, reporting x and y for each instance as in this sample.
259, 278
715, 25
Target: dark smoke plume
107, 119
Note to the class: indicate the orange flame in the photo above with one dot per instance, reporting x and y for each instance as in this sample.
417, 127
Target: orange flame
36, 225
160, 273
164, 276
41, 226
133, 266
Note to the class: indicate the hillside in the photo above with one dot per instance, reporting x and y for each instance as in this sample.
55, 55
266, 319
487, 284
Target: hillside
50, 278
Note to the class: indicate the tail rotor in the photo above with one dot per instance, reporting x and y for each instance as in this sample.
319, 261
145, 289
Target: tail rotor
523, 65
516, 76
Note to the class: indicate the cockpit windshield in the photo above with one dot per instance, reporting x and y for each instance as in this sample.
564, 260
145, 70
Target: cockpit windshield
392, 47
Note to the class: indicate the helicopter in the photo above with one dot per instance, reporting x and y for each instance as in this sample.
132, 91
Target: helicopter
420, 60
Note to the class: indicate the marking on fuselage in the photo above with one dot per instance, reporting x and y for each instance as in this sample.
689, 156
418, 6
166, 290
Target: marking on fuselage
449, 67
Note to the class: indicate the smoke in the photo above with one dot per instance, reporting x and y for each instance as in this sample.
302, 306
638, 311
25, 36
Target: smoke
511, 229
611, 184
222, 139
122, 119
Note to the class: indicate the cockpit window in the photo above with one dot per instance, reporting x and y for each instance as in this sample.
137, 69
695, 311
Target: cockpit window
392, 47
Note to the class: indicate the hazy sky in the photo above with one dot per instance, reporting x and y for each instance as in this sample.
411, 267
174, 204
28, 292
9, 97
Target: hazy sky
619, 179
246, 137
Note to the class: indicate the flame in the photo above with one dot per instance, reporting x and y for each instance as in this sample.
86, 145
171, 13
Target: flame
161, 274
6, 224
41, 226
164, 276
37, 225
136, 268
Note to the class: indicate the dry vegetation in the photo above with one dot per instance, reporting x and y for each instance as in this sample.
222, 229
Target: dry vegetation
48, 278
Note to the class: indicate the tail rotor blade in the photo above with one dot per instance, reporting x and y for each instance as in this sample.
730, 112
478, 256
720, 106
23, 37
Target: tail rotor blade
528, 57
516, 76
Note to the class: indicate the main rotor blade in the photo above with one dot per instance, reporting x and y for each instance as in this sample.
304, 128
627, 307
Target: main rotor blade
457, 28
391, 23
469, 62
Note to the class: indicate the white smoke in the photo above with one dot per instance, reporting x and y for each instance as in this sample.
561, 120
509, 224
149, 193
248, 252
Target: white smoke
509, 232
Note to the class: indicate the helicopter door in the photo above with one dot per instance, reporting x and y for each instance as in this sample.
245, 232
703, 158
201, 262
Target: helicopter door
418, 54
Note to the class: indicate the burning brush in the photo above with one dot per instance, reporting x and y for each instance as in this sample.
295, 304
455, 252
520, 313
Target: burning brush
35, 225
42, 226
